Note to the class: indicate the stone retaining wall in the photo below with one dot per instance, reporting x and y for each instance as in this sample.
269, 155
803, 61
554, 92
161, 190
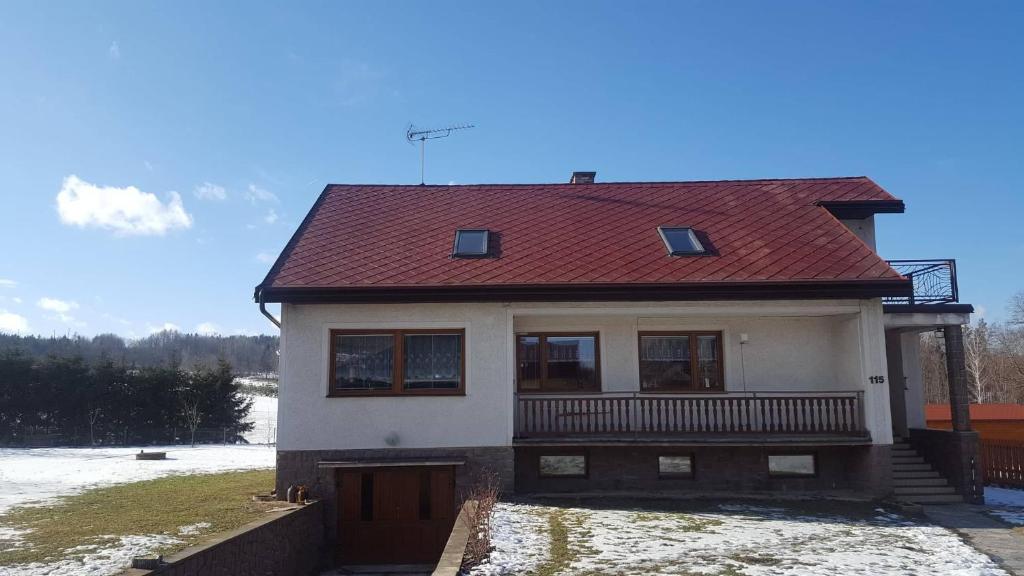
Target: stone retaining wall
285, 543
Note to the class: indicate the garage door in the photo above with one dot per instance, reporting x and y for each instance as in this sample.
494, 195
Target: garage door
400, 515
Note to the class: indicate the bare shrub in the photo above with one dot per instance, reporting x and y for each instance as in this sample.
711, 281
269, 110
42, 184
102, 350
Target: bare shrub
484, 491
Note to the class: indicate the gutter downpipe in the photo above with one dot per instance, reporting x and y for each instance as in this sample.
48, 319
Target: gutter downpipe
264, 311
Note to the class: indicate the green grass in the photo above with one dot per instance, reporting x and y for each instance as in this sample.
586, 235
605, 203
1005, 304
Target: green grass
158, 506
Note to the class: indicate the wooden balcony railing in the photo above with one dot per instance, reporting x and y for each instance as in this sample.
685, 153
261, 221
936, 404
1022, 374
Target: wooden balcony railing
624, 414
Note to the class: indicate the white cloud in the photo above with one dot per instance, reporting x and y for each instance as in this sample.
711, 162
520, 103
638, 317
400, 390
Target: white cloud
980, 311
149, 165
167, 327
126, 211
5, 283
271, 216
114, 51
266, 257
210, 191
16, 300
256, 194
208, 329
61, 309
11, 322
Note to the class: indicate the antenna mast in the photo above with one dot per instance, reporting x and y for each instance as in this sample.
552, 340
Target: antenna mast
413, 135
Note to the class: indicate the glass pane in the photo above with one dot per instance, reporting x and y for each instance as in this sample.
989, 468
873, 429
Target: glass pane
708, 363
528, 358
432, 361
675, 466
682, 241
791, 464
571, 363
575, 465
665, 363
470, 242
363, 361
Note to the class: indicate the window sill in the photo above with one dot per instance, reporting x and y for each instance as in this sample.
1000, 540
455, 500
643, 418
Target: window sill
391, 394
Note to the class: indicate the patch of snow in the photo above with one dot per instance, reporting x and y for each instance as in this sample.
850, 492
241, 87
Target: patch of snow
101, 562
193, 529
37, 475
263, 415
1006, 504
519, 540
1004, 496
732, 538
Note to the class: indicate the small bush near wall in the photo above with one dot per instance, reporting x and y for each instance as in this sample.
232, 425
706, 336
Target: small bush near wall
484, 492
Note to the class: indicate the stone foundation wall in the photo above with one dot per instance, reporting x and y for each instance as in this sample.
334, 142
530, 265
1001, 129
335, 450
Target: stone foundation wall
865, 470
955, 455
288, 543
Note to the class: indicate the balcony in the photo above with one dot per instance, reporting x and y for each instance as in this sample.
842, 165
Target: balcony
742, 418
934, 282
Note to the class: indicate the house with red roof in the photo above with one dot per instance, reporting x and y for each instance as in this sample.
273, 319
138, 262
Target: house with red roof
656, 337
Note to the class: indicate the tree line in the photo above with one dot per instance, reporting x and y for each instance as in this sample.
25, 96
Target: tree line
246, 354
67, 400
994, 355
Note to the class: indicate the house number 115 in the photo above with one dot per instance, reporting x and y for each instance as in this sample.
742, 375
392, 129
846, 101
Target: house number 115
876, 379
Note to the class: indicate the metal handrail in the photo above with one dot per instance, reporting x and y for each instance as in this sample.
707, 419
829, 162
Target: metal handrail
933, 281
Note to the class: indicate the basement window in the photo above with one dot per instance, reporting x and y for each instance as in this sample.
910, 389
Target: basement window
792, 465
675, 466
563, 466
680, 241
470, 243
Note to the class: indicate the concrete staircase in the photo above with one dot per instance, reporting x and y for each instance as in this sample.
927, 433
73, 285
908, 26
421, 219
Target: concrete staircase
915, 480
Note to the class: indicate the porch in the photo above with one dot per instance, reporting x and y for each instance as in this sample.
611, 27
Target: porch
750, 418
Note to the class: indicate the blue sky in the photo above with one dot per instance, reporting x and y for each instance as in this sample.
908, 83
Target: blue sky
246, 110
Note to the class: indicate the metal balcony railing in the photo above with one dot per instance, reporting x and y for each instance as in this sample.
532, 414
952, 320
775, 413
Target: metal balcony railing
618, 414
934, 282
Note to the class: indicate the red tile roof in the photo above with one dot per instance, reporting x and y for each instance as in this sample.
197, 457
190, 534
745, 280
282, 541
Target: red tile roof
940, 412
759, 232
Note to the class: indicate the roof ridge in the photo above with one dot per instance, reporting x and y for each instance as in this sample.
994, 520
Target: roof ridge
634, 183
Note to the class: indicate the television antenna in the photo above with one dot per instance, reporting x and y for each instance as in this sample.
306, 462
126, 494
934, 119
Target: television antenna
414, 135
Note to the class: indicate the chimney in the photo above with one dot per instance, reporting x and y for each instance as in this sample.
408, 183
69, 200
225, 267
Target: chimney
582, 178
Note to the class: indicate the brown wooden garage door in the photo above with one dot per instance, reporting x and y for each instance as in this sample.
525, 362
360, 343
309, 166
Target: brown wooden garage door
400, 515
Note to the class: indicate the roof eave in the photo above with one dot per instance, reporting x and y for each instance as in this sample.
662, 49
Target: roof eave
779, 290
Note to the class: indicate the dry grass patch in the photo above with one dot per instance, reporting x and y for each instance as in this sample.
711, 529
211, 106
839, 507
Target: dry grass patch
161, 506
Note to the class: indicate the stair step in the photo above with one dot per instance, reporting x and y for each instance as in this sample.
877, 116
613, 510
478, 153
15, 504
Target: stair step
910, 467
921, 490
933, 498
907, 460
907, 482
901, 446
915, 474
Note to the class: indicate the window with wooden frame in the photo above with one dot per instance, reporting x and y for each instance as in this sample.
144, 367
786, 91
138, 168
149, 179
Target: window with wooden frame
681, 362
558, 362
397, 362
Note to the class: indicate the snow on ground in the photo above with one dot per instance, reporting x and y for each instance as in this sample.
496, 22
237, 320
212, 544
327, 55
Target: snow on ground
95, 559
31, 475
1005, 503
264, 417
727, 539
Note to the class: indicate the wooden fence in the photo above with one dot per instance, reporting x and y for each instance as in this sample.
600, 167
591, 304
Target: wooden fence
1002, 462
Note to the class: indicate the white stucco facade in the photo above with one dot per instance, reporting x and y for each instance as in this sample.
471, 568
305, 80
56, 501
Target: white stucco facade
795, 346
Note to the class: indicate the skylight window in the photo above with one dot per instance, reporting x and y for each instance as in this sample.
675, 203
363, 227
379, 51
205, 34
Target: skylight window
470, 243
680, 241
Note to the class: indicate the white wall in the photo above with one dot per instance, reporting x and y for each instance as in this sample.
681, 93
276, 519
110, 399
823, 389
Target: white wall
911, 346
786, 354
864, 229
310, 421
793, 346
